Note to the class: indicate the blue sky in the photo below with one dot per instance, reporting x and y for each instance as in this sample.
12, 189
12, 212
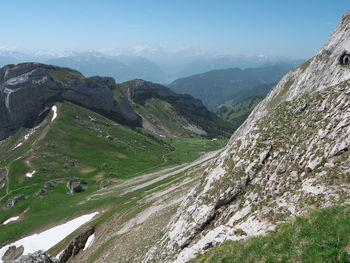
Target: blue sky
292, 28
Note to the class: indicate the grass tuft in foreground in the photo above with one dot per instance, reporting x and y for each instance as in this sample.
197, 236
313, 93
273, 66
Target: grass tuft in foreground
321, 236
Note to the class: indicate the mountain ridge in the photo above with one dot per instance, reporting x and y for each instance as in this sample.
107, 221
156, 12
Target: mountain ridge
29, 90
232, 83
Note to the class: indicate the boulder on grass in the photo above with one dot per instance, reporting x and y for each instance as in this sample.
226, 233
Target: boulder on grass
41, 192
82, 181
12, 201
36, 257
74, 186
49, 184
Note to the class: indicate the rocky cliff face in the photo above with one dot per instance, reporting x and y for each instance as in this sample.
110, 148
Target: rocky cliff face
27, 89
75, 246
291, 155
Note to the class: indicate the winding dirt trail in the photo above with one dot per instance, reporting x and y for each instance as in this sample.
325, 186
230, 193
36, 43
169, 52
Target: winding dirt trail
7, 180
7, 184
145, 180
166, 173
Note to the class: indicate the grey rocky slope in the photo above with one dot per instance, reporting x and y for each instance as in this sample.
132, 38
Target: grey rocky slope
36, 257
27, 89
291, 155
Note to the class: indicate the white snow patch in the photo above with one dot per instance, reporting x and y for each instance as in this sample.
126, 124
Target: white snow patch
10, 220
59, 254
54, 109
18, 145
48, 238
26, 137
89, 241
30, 174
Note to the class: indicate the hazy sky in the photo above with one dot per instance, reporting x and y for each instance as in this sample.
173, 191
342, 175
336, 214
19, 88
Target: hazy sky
296, 28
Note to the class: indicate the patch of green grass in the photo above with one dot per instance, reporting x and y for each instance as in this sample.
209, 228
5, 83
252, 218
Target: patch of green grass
321, 236
305, 65
170, 117
65, 75
189, 149
323, 161
161, 114
117, 93
77, 140
237, 113
279, 97
127, 85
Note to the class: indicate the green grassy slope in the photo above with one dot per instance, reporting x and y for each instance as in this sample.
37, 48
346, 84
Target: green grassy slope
169, 118
65, 74
85, 145
321, 236
162, 113
237, 113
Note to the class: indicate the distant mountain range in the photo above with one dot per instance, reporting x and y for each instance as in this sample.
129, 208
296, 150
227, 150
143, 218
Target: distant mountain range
204, 63
218, 86
163, 67
122, 68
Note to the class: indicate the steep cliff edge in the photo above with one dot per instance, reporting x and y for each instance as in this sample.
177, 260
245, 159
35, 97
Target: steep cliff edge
291, 155
28, 90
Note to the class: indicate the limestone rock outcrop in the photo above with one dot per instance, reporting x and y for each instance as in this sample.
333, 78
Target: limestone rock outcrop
289, 156
74, 186
36, 257
77, 244
12, 201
